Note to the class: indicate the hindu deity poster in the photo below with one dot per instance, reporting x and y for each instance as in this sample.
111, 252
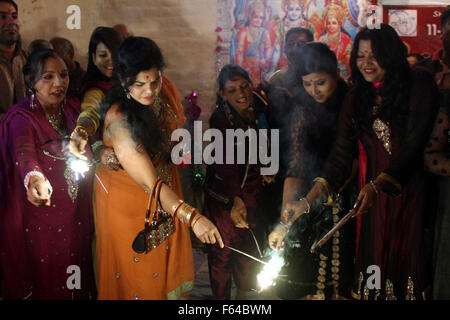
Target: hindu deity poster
253, 31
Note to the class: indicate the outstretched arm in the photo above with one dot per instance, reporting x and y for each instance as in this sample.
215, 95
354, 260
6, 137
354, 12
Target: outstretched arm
139, 166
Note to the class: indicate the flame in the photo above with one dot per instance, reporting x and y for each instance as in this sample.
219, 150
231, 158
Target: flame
270, 272
79, 167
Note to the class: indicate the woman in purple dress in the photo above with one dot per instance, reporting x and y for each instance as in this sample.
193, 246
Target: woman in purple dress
233, 191
46, 215
385, 123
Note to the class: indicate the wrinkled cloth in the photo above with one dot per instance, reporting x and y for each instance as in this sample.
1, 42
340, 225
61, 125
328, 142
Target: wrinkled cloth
39, 244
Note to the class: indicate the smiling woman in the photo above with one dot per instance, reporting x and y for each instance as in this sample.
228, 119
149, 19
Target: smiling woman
46, 221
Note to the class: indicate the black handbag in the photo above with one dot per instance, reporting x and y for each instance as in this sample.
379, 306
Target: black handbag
159, 224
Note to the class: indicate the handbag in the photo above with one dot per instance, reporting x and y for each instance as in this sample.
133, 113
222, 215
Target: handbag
159, 224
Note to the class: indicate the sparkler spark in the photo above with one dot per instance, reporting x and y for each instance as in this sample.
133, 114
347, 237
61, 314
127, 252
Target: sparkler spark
79, 167
270, 272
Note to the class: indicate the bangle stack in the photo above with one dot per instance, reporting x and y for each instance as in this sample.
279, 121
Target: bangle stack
308, 206
374, 187
187, 214
81, 132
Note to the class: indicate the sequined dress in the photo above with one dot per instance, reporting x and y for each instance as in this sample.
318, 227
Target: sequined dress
395, 234
39, 245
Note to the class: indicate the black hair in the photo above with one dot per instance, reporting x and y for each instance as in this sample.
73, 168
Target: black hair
230, 72
39, 44
137, 54
307, 32
445, 16
112, 40
315, 57
35, 65
11, 2
390, 52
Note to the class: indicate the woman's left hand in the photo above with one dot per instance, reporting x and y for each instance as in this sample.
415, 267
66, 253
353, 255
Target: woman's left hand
238, 214
366, 198
207, 232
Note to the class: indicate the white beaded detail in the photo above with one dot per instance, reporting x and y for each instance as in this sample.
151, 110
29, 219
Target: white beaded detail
30, 174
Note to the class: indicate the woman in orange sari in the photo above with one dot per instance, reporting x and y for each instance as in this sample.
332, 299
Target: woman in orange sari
142, 111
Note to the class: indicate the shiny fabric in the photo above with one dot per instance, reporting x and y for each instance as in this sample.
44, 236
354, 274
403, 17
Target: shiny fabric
395, 234
38, 245
166, 272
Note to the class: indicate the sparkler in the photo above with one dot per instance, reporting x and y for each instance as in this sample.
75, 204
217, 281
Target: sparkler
246, 254
330, 233
270, 272
79, 167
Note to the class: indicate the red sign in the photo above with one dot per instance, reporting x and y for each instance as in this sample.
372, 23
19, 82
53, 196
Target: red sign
418, 26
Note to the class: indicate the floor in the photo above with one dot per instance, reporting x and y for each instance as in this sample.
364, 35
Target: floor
202, 288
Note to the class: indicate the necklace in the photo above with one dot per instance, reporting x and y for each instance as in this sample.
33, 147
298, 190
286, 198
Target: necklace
56, 120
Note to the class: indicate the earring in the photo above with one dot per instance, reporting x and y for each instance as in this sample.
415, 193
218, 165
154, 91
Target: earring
32, 103
127, 93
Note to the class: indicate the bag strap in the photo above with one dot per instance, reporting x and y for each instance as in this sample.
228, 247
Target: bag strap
150, 201
157, 201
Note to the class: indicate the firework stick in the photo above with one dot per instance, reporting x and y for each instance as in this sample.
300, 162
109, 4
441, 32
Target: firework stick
246, 254
330, 233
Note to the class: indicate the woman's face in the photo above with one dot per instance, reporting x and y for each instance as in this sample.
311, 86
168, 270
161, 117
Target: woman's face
332, 25
238, 93
257, 19
368, 64
320, 86
52, 86
147, 86
294, 10
103, 60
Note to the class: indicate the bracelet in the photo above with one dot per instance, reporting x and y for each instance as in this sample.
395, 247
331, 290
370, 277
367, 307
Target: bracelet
284, 225
374, 187
175, 207
31, 174
197, 217
81, 131
308, 208
195, 213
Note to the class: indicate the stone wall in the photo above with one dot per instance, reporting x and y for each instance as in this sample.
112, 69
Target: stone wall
184, 29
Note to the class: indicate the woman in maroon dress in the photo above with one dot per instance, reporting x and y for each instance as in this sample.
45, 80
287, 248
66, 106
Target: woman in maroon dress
385, 123
233, 191
46, 222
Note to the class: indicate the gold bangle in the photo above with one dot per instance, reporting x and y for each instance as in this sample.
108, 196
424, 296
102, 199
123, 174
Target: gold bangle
308, 209
175, 207
195, 213
81, 131
182, 213
198, 216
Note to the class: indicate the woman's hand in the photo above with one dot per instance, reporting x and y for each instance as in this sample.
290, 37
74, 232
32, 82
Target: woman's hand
238, 213
39, 192
77, 144
109, 159
366, 198
293, 209
277, 236
207, 232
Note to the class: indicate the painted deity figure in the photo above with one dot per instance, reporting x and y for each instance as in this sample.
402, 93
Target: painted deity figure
295, 17
337, 38
254, 47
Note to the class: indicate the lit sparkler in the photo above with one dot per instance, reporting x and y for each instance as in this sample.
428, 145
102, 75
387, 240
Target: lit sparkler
270, 272
79, 167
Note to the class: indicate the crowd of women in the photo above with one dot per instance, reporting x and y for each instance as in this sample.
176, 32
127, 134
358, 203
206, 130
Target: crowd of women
367, 145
